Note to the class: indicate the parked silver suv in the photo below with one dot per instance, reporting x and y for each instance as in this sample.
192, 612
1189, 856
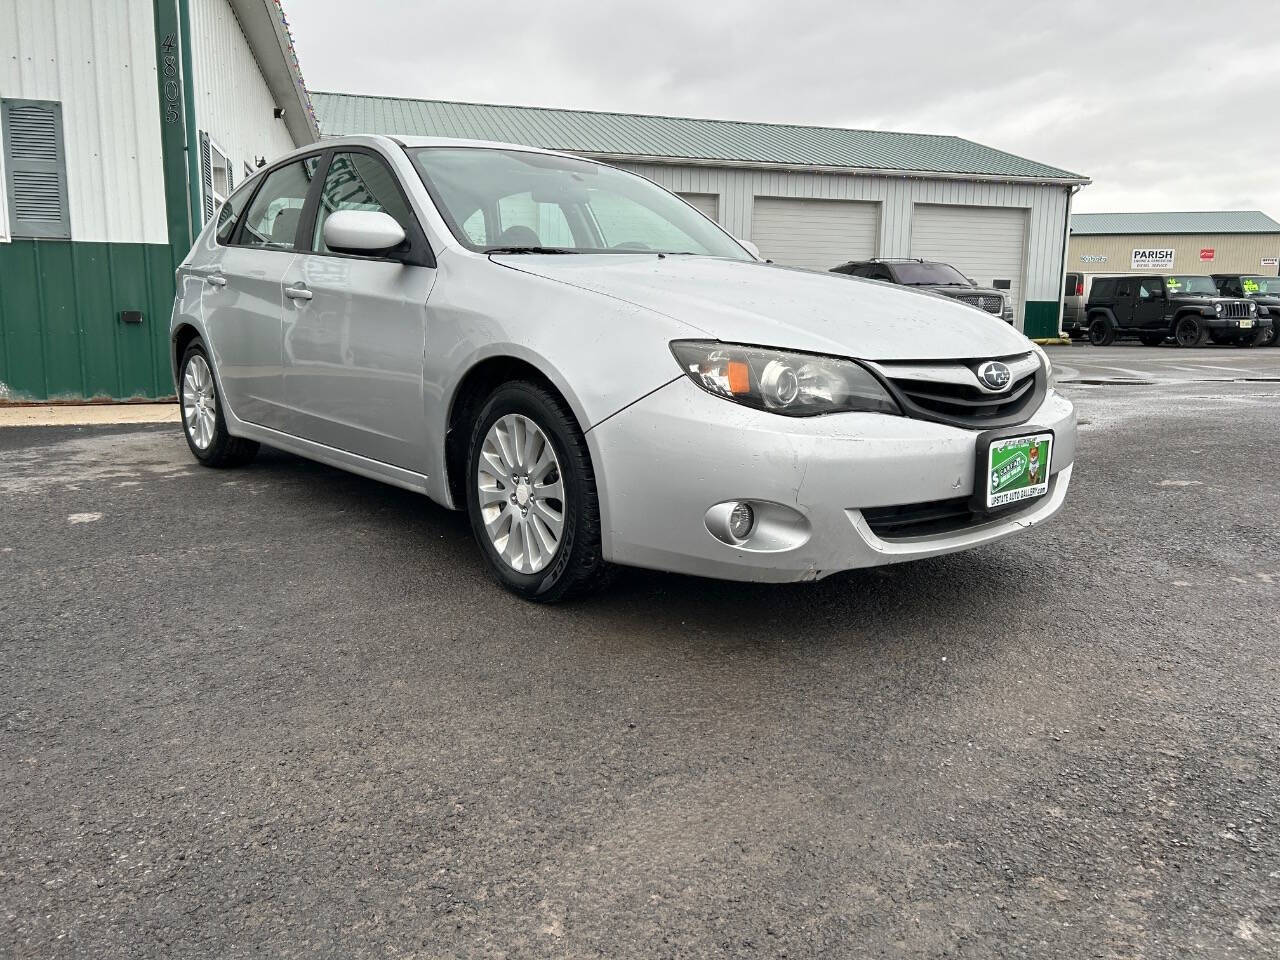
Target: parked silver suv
599, 374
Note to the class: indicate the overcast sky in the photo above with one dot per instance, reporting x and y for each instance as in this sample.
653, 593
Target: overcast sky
1173, 108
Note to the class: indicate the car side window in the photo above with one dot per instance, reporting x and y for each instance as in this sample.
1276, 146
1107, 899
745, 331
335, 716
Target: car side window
1125, 289
1150, 288
272, 219
359, 181
230, 212
879, 272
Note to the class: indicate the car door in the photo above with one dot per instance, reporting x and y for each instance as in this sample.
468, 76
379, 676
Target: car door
1149, 304
354, 329
1124, 301
241, 300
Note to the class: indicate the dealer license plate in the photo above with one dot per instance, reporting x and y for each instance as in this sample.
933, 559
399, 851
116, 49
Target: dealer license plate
1017, 469
1246, 323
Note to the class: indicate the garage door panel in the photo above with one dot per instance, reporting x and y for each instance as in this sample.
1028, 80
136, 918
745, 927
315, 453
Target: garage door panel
708, 204
815, 234
985, 243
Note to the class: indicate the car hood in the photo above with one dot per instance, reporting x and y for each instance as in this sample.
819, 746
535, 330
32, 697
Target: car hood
748, 302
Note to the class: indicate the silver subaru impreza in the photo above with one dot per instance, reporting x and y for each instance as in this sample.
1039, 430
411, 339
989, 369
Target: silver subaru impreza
598, 374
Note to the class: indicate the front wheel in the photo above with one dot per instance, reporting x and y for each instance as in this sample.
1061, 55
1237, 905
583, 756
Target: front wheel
202, 418
1190, 332
1102, 332
531, 496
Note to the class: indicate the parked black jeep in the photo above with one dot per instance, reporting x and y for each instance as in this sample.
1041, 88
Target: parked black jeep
934, 277
1264, 291
1153, 308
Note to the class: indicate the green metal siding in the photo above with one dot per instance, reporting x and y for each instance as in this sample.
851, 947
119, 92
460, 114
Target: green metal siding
1040, 319
60, 331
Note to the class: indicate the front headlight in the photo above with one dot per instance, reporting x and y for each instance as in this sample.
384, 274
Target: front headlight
792, 384
1253, 308
1217, 308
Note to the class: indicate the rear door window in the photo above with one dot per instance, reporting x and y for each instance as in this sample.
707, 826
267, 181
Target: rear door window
273, 217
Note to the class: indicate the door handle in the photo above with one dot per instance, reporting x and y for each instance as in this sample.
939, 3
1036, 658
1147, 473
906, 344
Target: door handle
215, 280
297, 293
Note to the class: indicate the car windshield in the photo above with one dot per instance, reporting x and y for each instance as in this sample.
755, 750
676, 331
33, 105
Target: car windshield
1260, 286
930, 274
1191, 286
520, 202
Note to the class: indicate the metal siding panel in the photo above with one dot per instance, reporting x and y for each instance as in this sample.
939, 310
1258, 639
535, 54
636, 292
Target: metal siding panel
97, 61
232, 100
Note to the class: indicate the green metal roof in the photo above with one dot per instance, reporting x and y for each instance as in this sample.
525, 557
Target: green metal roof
1193, 221
675, 138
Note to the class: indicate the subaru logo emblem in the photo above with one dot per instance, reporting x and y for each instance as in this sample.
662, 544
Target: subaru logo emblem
994, 375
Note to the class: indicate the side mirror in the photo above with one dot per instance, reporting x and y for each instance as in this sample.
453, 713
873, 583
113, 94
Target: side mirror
362, 232
750, 247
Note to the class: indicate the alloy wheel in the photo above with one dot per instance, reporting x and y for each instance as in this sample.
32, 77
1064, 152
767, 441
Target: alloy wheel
521, 493
199, 402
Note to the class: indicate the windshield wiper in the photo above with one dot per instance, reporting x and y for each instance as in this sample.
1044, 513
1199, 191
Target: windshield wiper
528, 250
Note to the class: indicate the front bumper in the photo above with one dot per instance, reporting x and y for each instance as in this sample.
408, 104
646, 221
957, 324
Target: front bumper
666, 460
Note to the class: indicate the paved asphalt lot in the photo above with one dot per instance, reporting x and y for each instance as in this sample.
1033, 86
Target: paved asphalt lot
281, 712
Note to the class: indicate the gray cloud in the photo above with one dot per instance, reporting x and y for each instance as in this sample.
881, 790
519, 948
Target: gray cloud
1175, 108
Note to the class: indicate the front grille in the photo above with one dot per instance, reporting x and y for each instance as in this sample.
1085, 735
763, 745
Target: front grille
1235, 309
990, 304
934, 518
949, 392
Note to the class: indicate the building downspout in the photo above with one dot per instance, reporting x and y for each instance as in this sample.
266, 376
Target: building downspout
195, 201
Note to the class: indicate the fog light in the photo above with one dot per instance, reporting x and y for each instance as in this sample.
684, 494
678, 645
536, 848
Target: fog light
741, 519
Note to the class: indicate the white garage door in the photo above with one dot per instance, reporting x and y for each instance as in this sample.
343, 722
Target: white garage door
984, 243
707, 203
816, 234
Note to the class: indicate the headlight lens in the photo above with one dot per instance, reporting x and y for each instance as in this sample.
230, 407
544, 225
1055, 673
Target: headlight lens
1217, 308
791, 384
1253, 308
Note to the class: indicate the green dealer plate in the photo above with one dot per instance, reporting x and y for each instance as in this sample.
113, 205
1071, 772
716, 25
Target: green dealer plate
1017, 468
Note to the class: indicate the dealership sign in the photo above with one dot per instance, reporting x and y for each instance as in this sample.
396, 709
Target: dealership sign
1271, 261
1093, 258
1153, 259
1206, 253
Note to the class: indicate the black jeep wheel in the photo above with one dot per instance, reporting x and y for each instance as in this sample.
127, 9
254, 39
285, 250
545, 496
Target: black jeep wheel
1269, 337
1190, 332
1102, 332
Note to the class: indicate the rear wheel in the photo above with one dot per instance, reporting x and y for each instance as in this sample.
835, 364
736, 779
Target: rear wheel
1190, 332
202, 418
1102, 332
531, 496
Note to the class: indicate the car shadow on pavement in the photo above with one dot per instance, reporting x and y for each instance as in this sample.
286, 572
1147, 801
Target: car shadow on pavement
924, 597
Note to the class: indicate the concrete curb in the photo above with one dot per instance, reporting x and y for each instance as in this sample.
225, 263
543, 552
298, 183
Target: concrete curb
95, 414
1053, 342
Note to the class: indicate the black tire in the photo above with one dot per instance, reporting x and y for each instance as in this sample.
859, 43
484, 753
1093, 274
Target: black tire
1151, 339
1102, 332
1271, 337
577, 567
223, 450
1190, 332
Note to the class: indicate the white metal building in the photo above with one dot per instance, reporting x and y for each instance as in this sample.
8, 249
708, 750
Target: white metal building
123, 124
811, 197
